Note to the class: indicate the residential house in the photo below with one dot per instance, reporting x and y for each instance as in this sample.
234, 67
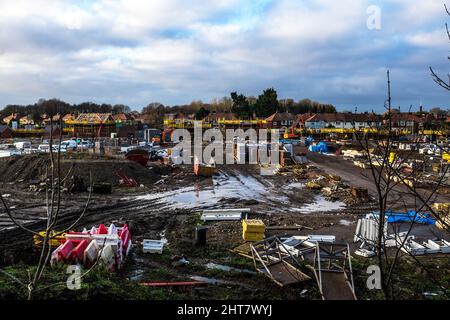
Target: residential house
280, 120
366, 120
299, 123
11, 118
343, 121
329, 120
403, 121
55, 119
26, 121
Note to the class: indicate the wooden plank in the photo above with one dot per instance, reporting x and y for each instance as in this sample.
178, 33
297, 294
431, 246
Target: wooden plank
285, 274
336, 287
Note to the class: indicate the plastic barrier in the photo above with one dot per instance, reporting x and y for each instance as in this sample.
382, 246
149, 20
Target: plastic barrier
108, 246
77, 254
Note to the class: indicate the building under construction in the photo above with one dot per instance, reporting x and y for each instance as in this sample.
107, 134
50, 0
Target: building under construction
93, 125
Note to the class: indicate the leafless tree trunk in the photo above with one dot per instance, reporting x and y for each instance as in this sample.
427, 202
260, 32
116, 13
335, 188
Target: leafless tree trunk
390, 181
54, 181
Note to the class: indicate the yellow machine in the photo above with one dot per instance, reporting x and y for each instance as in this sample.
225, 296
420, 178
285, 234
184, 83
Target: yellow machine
55, 239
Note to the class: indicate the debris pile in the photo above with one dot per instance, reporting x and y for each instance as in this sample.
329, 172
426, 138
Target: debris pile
443, 209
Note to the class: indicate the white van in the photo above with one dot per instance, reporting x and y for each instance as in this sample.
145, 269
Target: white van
23, 145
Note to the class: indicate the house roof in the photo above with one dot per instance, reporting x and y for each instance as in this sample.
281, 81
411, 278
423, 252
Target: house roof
331, 117
283, 116
122, 117
68, 117
396, 117
344, 117
302, 118
11, 117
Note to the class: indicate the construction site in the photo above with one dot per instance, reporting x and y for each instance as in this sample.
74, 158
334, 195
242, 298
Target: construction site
226, 231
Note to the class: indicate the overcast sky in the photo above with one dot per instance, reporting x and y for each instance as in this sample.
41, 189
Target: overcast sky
174, 51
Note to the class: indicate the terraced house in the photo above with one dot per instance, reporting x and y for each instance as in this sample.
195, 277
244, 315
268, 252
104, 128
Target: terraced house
343, 121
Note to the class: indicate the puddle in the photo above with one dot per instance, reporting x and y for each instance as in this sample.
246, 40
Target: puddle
321, 205
224, 187
221, 267
242, 187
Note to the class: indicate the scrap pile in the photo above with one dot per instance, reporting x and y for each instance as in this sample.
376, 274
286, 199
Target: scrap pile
334, 189
443, 209
367, 232
106, 246
272, 259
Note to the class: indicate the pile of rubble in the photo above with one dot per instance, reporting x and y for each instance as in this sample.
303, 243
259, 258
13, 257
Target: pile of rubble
334, 189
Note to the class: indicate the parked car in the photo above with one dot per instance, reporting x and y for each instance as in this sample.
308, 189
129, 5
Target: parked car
43, 148
69, 145
85, 144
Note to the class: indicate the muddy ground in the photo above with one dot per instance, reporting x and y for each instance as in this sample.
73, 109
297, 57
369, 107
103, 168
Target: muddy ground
168, 203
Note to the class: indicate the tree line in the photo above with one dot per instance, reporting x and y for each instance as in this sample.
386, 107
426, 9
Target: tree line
53, 107
268, 103
244, 107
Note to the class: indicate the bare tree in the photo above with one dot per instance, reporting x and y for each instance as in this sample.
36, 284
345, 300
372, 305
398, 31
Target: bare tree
54, 185
444, 83
396, 187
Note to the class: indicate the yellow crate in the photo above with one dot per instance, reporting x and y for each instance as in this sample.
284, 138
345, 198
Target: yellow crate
253, 226
253, 236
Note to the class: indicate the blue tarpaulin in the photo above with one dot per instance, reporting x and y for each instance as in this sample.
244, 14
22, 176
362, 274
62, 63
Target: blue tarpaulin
321, 147
309, 141
410, 216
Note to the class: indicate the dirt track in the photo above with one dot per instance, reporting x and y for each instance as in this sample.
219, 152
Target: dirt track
399, 199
